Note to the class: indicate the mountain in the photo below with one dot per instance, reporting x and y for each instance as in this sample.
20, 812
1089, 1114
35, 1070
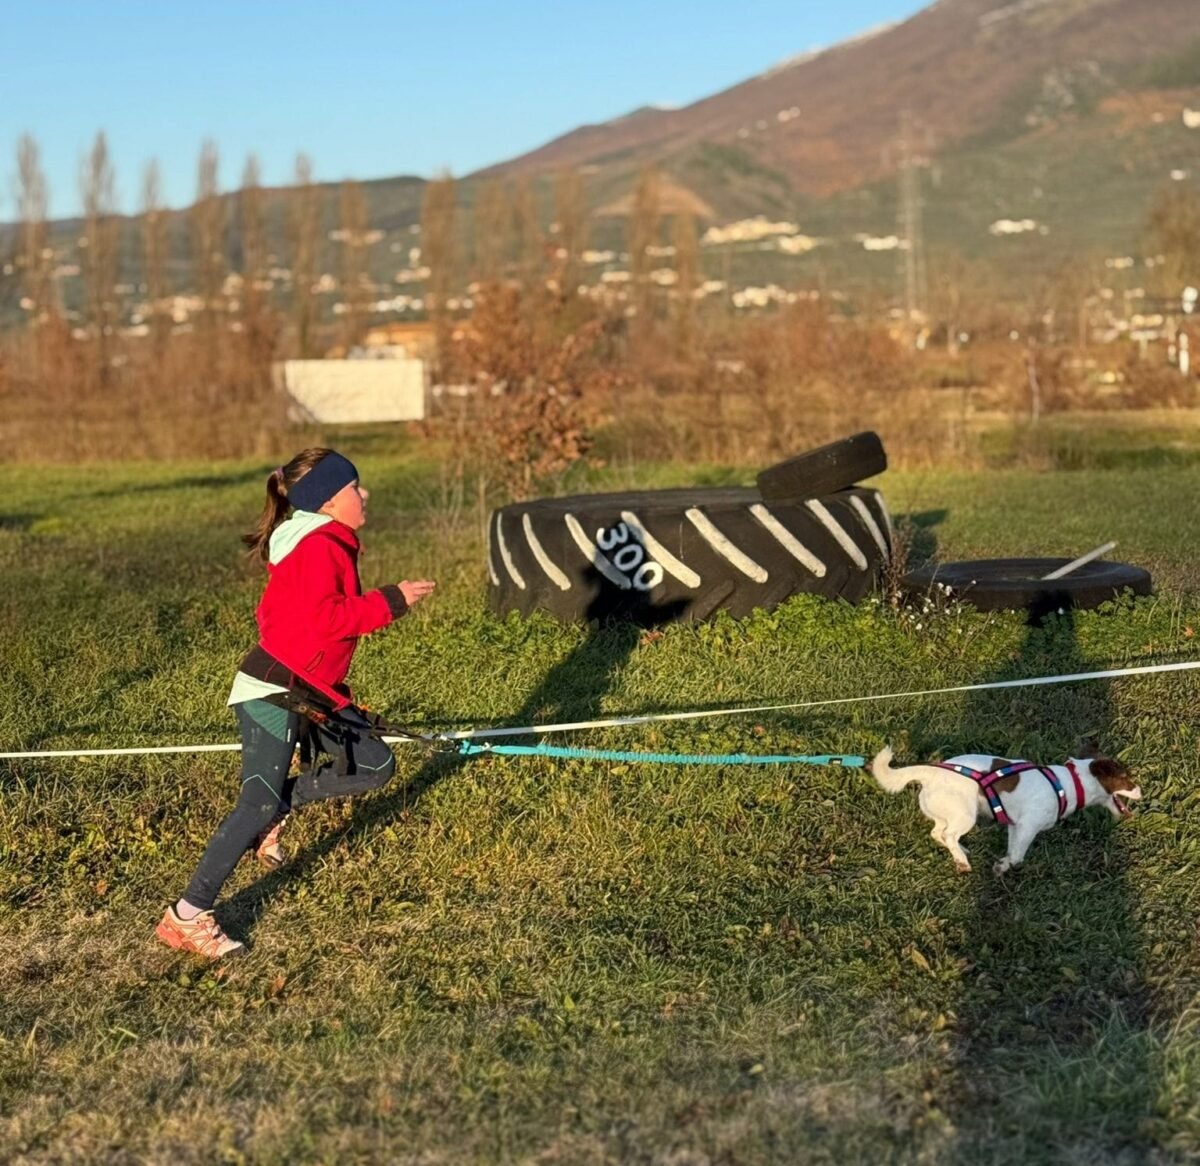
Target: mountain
828, 121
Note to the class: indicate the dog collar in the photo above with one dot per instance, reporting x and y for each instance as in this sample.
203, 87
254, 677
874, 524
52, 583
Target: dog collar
1078, 784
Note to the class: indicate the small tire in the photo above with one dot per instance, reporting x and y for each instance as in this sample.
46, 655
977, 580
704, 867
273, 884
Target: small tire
657, 556
1018, 584
824, 470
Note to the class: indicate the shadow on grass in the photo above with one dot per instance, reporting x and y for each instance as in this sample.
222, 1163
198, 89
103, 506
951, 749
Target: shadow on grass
923, 543
572, 690
1053, 1058
192, 482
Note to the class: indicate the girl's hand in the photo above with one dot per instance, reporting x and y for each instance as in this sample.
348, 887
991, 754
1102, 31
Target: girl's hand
416, 590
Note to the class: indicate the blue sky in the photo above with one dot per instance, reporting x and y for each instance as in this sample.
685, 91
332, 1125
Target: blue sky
367, 89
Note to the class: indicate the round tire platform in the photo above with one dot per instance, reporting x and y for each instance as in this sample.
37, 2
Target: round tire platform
1018, 584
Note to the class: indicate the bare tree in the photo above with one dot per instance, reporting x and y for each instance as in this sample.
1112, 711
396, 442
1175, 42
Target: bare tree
570, 211
530, 248
493, 223
687, 271
258, 324
208, 257
355, 262
438, 252
154, 259
34, 255
643, 234
303, 227
97, 185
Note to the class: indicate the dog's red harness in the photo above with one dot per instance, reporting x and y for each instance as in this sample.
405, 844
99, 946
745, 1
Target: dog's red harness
987, 782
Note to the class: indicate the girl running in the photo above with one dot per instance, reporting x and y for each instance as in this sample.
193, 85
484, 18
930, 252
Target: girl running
310, 618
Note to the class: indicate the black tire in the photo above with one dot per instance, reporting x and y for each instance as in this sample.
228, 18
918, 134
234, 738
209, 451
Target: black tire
682, 554
827, 469
1017, 584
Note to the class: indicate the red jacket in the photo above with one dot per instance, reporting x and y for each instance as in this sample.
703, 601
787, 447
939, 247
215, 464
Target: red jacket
313, 611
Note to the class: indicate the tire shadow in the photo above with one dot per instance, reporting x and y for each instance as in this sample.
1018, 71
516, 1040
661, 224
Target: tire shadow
572, 690
922, 539
1051, 1060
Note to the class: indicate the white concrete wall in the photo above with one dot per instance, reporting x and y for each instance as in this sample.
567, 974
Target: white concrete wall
354, 390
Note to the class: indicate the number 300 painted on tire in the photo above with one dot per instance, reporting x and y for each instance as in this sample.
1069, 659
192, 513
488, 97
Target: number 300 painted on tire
630, 556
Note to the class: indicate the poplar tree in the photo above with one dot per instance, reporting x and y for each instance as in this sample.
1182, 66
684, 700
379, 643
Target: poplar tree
33, 254
438, 211
687, 271
258, 327
97, 185
303, 228
154, 259
530, 248
643, 233
493, 230
208, 258
355, 262
570, 211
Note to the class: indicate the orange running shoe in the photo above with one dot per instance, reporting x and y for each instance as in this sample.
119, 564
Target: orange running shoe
269, 851
201, 936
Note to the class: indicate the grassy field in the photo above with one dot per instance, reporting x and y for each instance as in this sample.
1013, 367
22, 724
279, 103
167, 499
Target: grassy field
506, 961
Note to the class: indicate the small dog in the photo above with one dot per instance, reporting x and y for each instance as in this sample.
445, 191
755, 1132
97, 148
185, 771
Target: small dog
1027, 798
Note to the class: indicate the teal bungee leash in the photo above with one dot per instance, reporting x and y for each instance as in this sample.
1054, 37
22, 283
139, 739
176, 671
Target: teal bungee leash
846, 760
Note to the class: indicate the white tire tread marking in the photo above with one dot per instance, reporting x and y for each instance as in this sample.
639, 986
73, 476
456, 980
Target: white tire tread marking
491, 563
544, 561
787, 540
507, 558
726, 549
659, 553
835, 528
868, 520
887, 518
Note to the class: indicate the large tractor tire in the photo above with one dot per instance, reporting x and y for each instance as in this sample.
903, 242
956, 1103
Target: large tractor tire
668, 555
822, 471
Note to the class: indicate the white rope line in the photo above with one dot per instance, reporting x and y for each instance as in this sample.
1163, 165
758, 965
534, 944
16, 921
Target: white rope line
615, 722
125, 752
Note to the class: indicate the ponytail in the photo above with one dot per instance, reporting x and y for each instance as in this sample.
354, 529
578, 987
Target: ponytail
276, 507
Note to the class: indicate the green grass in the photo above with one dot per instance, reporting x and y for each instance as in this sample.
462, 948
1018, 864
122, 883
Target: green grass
500, 961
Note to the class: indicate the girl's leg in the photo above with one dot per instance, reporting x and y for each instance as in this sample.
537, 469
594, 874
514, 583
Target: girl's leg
371, 763
268, 741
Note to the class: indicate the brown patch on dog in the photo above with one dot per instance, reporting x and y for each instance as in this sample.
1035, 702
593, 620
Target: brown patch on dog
1005, 785
1112, 775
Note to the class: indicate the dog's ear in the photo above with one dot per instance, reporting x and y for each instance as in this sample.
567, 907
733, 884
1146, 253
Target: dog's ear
1112, 775
1089, 747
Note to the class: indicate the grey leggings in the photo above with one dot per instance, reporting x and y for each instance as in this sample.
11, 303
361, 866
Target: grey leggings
269, 737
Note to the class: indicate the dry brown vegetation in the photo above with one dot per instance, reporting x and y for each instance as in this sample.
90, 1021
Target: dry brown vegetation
533, 376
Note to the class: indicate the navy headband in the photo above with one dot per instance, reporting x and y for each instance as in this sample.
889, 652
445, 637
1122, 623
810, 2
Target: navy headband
331, 474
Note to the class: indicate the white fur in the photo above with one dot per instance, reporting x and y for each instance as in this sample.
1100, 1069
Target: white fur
953, 802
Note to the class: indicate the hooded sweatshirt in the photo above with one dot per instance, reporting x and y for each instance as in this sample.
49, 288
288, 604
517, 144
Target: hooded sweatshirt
313, 610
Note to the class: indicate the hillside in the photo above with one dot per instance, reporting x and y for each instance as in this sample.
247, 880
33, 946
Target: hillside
827, 122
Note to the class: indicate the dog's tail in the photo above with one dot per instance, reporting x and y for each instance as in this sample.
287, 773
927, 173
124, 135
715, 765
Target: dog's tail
892, 780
